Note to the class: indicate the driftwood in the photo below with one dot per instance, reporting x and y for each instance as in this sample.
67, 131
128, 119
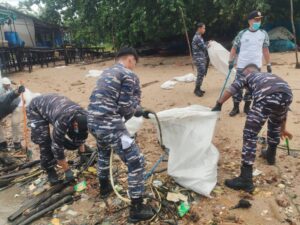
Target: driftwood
16, 174
20, 166
5, 182
50, 201
56, 205
37, 200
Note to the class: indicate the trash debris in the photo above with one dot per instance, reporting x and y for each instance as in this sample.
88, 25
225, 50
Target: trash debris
157, 183
17, 195
92, 170
183, 208
64, 208
55, 221
32, 187
281, 186
94, 73
80, 186
257, 172
176, 197
60, 67
118, 188
72, 212
168, 85
264, 212
243, 204
186, 78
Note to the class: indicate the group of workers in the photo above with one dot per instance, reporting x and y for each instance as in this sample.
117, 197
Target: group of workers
117, 97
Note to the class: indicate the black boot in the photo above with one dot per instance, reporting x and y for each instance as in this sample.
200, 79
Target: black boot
139, 211
198, 91
3, 146
247, 107
269, 154
17, 146
52, 176
235, 110
105, 188
244, 181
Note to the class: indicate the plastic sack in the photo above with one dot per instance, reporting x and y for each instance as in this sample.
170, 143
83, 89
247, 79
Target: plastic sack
28, 96
186, 78
219, 58
168, 85
193, 159
94, 73
134, 125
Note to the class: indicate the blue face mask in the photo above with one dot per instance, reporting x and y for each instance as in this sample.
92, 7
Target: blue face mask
256, 25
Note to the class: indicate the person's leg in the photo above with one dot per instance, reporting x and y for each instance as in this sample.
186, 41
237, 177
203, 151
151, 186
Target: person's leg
255, 121
16, 128
237, 98
3, 143
247, 99
201, 71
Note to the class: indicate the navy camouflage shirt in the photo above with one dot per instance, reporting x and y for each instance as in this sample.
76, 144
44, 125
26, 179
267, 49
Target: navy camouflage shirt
199, 47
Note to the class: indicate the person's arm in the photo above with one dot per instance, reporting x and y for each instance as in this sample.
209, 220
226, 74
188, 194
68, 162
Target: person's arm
266, 52
232, 55
284, 133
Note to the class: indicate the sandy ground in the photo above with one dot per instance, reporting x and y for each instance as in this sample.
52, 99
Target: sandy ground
228, 134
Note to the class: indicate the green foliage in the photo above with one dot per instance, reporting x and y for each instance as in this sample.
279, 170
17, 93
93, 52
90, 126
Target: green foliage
136, 22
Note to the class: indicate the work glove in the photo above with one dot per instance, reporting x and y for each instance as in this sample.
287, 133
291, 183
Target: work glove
139, 111
230, 65
269, 68
69, 176
217, 107
146, 114
21, 89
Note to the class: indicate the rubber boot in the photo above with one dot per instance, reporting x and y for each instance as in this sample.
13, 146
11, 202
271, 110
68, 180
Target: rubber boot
17, 146
247, 107
52, 176
235, 110
139, 211
198, 91
244, 181
269, 154
105, 188
3, 146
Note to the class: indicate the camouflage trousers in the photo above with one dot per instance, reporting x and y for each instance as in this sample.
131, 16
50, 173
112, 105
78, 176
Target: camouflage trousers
238, 97
202, 66
40, 135
273, 108
121, 143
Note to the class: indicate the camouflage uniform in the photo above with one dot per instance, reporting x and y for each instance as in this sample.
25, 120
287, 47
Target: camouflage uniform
200, 57
116, 96
60, 112
272, 97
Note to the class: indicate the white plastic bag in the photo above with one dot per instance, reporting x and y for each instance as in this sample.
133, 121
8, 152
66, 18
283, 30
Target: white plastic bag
28, 96
219, 58
186, 78
94, 73
134, 125
193, 159
168, 85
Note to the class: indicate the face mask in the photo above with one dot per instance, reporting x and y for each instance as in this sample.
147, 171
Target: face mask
256, 25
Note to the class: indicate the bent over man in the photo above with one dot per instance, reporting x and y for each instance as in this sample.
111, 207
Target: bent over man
116, 98
69, 122
272, 98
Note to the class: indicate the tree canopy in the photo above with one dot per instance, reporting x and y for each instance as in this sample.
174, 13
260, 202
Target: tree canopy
136, 22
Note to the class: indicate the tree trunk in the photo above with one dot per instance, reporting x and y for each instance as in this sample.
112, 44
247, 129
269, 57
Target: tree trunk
294, 31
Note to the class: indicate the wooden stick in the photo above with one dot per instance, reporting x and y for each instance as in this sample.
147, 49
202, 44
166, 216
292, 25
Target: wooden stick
294, 31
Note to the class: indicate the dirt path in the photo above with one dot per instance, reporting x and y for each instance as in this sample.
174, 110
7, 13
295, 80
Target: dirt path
228, 134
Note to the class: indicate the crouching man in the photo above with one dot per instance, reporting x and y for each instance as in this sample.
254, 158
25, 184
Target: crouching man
272, 98
69, 122
116, 98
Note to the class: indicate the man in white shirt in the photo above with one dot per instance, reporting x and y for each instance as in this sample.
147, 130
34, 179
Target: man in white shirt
249, 47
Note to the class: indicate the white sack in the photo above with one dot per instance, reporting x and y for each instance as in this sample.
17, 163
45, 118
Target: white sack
170, 84
134, 125
28, 96
186, 78
94, 73
193, 159
219, 58
280, 33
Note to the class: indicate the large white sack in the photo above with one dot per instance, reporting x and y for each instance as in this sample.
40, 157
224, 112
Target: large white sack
193, 159
219, 57
28, 96
168, 85
186, 78
280, 33
134, 125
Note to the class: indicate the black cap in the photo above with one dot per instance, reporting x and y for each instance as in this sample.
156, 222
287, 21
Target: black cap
127, 51
254, 14
82, 123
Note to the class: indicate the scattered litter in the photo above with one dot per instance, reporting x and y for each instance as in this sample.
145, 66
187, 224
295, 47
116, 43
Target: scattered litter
183, 208
243, 204
72, 212
84, 197
80, 186
118, 188
94, 73
16, 195
257, 172
281, 186
55, 221
157, 183
64, 208
186, 78
32, 187
60, 67
168, 85
264, 212
92, 169
37, 181
176, 197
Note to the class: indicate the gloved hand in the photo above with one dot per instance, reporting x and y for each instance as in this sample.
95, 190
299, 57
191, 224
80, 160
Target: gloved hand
146, 114
269, 68
21, 89
69, 175
139, 111
217, 107
230, 65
